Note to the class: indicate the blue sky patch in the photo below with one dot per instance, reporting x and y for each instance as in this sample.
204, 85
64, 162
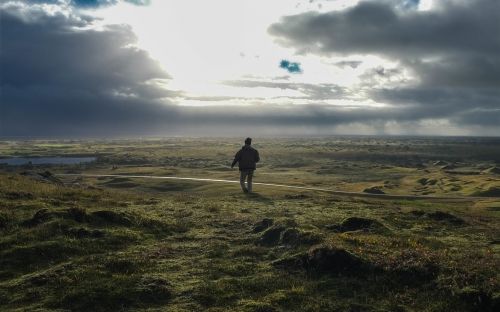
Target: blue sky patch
291, 67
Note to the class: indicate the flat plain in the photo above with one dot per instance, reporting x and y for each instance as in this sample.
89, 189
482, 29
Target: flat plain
74, 243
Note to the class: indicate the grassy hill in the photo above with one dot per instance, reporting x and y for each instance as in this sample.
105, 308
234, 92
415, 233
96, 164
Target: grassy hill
124, 244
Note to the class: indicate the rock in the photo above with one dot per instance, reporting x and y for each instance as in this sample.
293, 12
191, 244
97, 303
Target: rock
374, 190
262, 225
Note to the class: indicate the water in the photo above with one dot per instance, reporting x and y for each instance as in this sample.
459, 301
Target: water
18, 161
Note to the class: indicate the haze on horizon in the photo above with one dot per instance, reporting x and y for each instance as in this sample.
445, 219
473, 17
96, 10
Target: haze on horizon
117, 68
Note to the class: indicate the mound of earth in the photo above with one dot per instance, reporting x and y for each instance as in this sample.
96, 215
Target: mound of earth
355, 224
45, 215
411, 267
262, 225
494, 170
280, 235
491, 192
112, 217
45, 176
323, 259
426, 181
85, 233
271, 236
80, 215
417, 213
120, 183
18, 195
294, 237
374, 190
444, 216
438, 216
439, 163
4, 220
479, 300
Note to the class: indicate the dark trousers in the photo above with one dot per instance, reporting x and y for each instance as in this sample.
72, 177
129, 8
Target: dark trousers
246, 175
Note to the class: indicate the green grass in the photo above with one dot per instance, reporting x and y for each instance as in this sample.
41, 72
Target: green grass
118, 244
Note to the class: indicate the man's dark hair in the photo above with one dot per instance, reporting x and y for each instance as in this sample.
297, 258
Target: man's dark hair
248, 141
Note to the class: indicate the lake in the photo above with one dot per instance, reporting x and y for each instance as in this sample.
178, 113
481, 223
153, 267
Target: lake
18, 161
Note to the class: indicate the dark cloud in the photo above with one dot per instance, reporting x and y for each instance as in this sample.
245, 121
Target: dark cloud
317, 92
56, 75
96, 3
352, 64
374, 27
60, 78
451, 51
291, 67
89, 3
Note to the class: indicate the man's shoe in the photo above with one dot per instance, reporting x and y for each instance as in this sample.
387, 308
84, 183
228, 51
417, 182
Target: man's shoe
245, 191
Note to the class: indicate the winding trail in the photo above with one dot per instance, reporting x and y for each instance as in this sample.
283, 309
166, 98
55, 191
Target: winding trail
331, 191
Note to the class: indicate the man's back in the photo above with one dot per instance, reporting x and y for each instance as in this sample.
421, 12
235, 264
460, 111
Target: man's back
247, 158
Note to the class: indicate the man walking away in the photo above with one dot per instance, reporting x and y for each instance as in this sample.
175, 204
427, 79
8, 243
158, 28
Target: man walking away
247, 158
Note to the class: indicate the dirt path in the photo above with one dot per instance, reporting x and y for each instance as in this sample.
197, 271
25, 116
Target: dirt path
331, 191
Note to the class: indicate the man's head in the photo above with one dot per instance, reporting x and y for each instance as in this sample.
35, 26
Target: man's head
248, 141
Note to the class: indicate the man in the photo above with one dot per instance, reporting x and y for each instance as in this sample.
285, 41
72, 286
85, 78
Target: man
246, 157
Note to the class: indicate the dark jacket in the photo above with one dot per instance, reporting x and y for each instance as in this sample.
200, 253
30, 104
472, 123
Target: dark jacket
247, 157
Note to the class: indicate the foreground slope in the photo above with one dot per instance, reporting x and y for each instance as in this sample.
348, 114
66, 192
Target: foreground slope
87, 247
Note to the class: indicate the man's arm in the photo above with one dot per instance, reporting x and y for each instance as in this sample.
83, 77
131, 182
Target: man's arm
257, 157
236, 158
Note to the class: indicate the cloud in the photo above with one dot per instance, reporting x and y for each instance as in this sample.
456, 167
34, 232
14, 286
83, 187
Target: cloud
373, 27
316, 92
96, 3
291, 67
451, 52
56, 74
89, 3
62, 78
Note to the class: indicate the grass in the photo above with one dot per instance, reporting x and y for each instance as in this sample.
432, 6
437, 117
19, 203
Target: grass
120, 244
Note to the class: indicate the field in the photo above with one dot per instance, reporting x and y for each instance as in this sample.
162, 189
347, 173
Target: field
70, 243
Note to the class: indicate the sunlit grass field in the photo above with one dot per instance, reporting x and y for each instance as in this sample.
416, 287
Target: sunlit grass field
127, 244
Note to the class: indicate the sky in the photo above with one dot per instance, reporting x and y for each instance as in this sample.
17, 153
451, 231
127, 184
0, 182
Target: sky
119, 68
